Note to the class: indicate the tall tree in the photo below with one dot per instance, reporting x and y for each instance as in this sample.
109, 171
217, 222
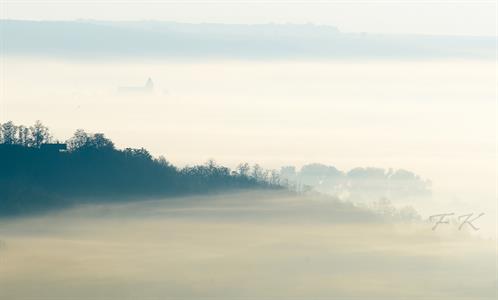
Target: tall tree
9, 131
24, 136
40, 134
99, 141
1, 134
243, 169
79, 139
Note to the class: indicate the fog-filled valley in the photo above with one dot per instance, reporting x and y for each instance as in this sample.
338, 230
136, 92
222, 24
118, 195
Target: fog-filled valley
239, 245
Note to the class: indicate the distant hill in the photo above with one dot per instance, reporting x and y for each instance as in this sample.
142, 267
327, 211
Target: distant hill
87, 39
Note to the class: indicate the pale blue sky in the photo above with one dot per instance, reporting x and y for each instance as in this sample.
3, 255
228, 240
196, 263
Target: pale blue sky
403, 16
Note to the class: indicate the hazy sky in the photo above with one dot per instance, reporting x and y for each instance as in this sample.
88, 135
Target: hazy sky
427, 17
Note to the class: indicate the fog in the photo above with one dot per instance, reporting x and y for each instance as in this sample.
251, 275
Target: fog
436, 118
238, 246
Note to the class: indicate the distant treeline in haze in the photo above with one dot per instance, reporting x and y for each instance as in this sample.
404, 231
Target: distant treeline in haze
37, 173
362, 184
91, 39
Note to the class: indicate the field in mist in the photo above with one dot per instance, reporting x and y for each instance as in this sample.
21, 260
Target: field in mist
238, 246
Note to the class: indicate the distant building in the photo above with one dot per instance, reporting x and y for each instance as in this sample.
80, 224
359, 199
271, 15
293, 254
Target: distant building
53, 147
148, 87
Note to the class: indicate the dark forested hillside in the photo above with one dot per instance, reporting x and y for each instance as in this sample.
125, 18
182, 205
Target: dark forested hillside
36, 174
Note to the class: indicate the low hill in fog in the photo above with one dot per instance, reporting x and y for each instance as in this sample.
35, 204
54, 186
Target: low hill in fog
38, 174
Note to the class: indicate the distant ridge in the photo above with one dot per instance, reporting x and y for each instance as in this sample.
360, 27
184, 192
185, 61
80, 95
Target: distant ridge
151, 39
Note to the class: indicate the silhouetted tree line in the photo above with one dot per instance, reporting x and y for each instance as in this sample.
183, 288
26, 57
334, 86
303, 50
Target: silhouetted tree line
34, 176
33, 136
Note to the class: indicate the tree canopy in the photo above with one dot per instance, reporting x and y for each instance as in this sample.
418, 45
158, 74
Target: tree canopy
34, 177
